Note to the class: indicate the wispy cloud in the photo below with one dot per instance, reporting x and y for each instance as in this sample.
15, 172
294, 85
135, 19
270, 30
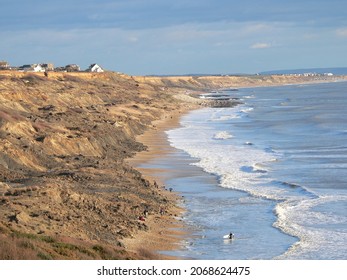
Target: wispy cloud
261, 46
259, 27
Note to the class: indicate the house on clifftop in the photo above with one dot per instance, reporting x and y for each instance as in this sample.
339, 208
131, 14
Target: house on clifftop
95, 68
68, 68
32, 68
72, 68
4, 65
48, 66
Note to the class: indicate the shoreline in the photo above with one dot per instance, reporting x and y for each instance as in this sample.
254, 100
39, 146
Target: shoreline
168, 230
173, 228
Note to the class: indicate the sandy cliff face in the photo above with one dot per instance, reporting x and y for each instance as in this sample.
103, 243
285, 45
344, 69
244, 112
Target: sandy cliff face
204, 83
65, 188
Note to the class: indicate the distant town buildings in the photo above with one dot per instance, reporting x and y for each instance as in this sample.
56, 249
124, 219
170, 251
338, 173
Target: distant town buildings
45, 67
309, 74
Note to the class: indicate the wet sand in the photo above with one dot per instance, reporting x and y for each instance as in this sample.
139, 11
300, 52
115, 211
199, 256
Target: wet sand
166, 231
170, 234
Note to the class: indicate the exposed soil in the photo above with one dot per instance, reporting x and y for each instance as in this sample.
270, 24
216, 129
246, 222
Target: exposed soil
65, 189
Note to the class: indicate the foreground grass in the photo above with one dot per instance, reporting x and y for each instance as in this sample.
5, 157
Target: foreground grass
15, 245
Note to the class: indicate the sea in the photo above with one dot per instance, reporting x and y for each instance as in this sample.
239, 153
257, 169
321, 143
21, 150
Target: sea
271, 170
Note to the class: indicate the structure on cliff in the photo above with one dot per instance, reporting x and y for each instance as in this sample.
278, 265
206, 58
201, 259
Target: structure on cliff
68, 68
95, 68
41, 67
4, 65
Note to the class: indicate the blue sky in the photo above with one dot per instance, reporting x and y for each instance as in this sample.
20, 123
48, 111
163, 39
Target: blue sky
176, 37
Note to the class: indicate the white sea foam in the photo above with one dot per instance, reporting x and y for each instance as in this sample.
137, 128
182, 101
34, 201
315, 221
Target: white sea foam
249, 97
242, 168
222, 135
226, 114
298, 218
246, 110
227, 161
305, 207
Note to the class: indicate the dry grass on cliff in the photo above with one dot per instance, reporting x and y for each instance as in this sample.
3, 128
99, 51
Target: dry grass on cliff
24, 246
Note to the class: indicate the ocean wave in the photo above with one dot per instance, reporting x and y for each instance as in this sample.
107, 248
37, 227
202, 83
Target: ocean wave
226, 117
252, 169
298, 218
222, 135
307, 184
246, 110
227, 114
295, 189
249, 97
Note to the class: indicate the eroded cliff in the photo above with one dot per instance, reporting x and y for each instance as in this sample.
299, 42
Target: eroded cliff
65, 190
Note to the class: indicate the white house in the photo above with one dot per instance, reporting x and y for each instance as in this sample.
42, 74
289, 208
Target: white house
95, 68
32, 68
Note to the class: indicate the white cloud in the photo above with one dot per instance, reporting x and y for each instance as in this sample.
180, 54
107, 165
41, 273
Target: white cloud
260, 46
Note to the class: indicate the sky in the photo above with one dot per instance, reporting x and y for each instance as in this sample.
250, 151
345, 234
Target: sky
161, 37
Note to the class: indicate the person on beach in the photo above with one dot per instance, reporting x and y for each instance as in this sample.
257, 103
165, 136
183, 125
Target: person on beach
145, 213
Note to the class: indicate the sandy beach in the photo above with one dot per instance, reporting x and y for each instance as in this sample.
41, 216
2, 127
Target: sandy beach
166, 230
